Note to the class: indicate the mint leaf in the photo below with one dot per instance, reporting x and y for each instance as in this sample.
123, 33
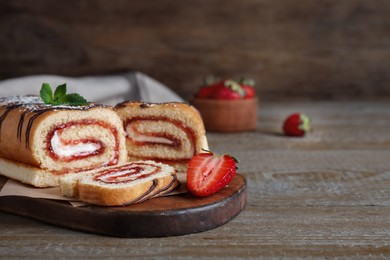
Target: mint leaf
60, 93
46, 93
75, 99
60, 97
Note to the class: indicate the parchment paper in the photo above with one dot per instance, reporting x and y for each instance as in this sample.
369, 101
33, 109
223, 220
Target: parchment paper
16, 188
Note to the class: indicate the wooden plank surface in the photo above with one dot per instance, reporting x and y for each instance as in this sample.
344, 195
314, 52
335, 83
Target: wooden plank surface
327, 49
324, 196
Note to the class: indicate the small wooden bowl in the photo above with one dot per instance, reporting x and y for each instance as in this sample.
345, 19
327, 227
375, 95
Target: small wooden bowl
227, 115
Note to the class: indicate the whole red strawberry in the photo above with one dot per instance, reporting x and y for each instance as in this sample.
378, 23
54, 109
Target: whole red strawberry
248, 86
208, 173
296, 124
208, 91
230, 90
249, 91
205, 92
227, 93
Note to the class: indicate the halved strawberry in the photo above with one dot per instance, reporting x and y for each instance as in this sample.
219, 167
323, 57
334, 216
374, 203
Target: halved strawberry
208, 173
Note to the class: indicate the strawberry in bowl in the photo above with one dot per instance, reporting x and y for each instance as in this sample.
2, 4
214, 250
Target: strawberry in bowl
228, 90
227, 105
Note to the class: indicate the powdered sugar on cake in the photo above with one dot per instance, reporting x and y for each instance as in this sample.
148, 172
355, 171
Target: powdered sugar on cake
30, 99
32, 102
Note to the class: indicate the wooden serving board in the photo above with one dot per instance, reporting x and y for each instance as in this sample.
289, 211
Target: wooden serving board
166, 216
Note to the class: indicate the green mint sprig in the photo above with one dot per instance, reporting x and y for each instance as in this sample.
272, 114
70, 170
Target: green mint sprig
60, 97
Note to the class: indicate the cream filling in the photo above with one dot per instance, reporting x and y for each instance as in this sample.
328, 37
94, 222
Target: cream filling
133, 135
68, 150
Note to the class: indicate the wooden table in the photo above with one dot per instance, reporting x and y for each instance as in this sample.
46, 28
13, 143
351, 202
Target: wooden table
325, 195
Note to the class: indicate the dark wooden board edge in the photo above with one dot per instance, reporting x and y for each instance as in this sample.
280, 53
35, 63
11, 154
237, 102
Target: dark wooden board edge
135, 224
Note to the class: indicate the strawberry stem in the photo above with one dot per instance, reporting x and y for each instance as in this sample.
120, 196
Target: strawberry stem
233, 85
207, 151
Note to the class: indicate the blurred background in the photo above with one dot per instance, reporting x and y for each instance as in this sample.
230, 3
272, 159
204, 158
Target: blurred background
303, 49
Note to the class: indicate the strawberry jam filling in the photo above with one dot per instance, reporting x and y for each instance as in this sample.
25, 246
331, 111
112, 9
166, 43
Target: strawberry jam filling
128, 173
141, 138
68, 150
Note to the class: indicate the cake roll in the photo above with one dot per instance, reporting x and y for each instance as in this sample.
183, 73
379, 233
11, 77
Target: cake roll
57, 139
171, 133
119, 185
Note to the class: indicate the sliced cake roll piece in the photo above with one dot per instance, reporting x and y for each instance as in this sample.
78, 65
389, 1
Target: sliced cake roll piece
118, 185
171, 133
59, 139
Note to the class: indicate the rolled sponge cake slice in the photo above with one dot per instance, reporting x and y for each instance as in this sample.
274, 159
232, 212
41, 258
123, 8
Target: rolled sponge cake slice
121, 184
171, 133
57, 139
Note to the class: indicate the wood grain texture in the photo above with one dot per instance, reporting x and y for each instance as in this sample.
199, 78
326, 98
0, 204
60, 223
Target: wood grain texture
310, 49
324, 196
181, 214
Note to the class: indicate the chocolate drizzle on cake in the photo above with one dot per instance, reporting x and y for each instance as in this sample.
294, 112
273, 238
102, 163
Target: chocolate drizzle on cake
144, 196
152, 192
170, 185
30, 104
8, 108
144, 105
20, 125
30, 123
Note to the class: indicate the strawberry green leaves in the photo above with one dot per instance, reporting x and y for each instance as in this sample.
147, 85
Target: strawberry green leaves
60, 97
296, 124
